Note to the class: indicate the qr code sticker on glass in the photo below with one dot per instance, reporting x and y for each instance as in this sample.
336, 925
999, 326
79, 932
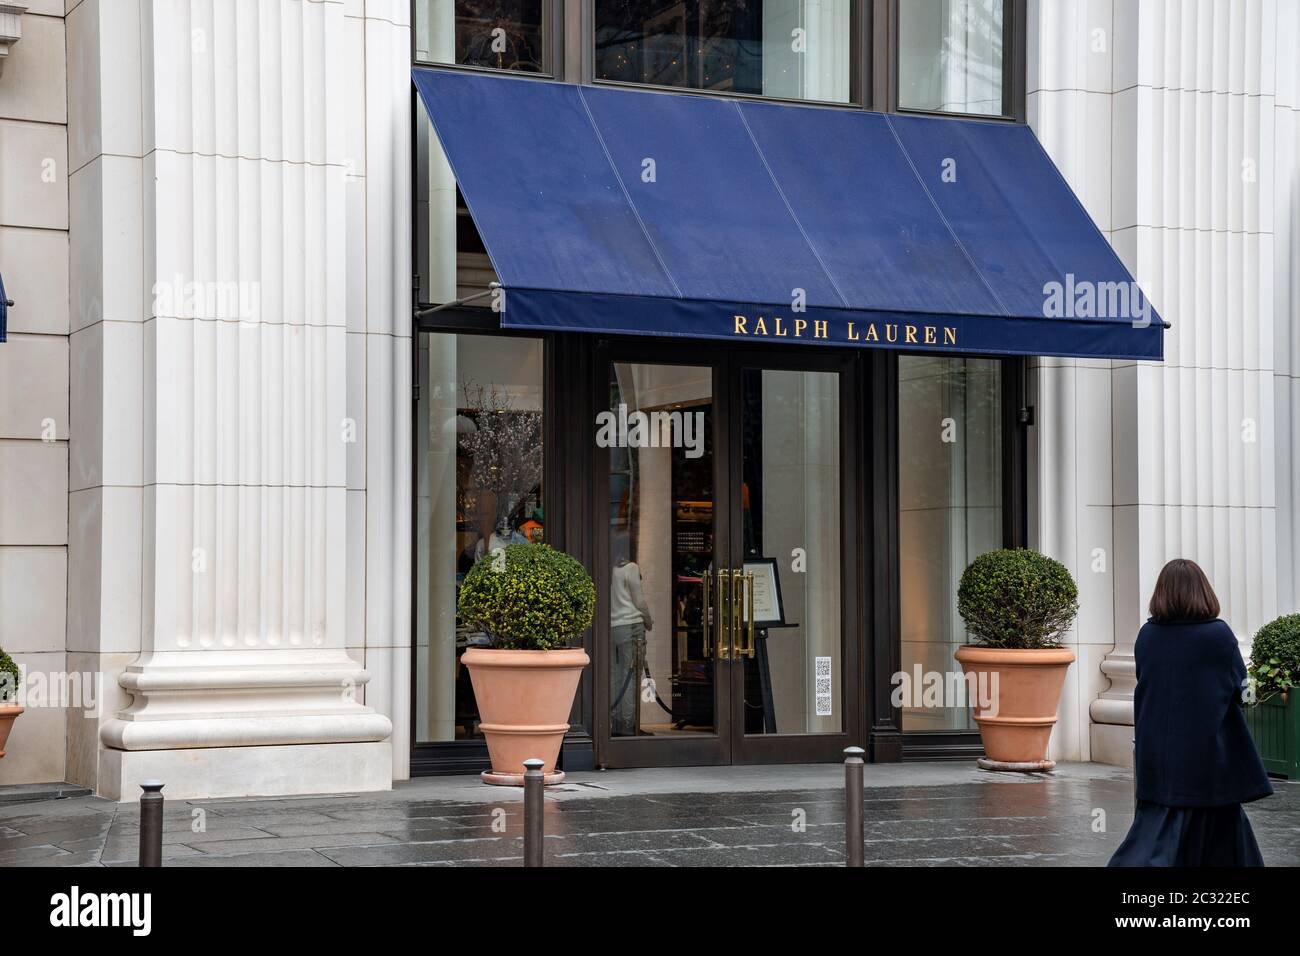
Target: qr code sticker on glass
823, 667
823, 685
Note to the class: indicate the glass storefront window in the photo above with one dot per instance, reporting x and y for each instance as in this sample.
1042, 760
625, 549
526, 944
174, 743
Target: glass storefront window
794, 49
479, 487
496, 34
950, 56
950, 512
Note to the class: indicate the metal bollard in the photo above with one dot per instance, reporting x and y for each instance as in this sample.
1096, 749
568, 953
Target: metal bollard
534, 809
854, 810
151, 823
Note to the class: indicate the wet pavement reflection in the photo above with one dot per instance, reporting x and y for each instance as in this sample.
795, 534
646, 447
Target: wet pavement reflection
1054, 822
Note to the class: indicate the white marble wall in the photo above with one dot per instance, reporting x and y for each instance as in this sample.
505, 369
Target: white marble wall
34, 419
1162, 115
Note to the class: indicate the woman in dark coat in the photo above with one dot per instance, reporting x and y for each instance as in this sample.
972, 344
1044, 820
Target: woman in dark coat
1195, 762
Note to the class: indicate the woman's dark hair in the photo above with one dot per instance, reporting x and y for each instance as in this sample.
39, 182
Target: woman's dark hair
1183, 593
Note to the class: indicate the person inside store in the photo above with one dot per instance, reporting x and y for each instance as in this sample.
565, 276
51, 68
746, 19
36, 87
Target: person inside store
533, 528
1195, 762
629, 620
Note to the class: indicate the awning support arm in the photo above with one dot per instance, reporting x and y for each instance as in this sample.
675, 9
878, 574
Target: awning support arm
417, 314
456, 303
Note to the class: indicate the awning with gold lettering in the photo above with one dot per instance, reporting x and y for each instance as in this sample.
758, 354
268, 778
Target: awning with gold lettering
650, 213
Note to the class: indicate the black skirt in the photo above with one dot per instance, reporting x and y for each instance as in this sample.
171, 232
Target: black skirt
1188, 836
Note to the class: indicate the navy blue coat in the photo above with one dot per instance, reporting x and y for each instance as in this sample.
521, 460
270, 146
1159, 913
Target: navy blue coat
1193, 746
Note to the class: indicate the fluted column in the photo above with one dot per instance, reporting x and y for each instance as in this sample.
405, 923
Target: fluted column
1164, 116
243, 683
1286, 305
382, 237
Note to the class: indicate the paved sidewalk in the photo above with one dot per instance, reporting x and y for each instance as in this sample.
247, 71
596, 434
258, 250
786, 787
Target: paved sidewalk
941, 814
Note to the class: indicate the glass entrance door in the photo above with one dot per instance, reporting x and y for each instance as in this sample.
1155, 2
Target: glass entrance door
721, 632
662, 697
794, 667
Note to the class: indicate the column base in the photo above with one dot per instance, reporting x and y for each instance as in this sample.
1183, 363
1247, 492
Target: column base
1112, 744
254, 723
287, 770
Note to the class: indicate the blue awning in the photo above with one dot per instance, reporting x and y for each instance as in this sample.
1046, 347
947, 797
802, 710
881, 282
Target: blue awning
649, 213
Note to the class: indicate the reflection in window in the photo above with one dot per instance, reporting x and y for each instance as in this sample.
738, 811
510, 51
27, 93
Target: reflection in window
450, 257
790, 501
661, 523
497, 34
479, 460
950, 56
950, 512
796, 49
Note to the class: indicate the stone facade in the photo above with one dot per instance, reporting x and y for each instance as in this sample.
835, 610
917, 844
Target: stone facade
239, 206
205, 433
34, 414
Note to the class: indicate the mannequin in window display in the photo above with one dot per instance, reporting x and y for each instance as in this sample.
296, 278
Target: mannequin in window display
496, 529
486, 521
497, 540
629, 619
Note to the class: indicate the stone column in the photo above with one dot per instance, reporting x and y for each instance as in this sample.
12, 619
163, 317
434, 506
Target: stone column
1179, 159
379, 247
224, 574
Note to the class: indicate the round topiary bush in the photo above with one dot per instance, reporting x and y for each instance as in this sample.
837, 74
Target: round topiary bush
1017, 599
528, 597
1275, 656
10, 677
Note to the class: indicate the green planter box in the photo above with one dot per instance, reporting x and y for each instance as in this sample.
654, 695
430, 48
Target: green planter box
1276, 729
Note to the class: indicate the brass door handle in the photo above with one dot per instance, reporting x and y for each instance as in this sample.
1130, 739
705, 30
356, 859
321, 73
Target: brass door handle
705, 609
742, 597
722, 619
737, 613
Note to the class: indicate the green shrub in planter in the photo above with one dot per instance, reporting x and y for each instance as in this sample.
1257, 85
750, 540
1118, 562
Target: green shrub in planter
10, 677
1017, 599
531, 598
1275, 657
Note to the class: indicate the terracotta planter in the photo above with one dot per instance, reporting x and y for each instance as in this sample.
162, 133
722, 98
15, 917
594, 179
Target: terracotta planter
8, 714
524, 699
1017, 725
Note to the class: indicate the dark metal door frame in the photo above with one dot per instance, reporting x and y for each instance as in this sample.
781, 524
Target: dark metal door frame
704, 749
576, 493
730, 745
806, 748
